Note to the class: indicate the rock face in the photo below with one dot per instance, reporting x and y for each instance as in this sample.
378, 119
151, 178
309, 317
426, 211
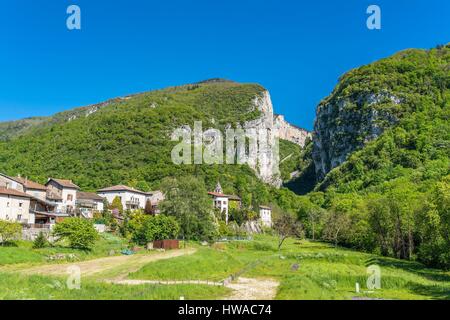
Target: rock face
344, 125
289, 132
266, 161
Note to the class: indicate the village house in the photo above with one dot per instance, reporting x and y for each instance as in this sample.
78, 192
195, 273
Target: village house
87, 204
15, 206
63, 193
265, 214
41, 210
132, 199
222, 201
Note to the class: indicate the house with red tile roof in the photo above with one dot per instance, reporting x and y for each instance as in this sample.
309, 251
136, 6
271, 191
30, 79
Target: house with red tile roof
222, 201
63, 193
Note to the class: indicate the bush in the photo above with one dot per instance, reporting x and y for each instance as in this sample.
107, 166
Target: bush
160, 227
40, 241
80, 233
9, 231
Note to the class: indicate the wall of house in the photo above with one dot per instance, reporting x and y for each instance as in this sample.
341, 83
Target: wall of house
156, 197
222, 204
40, 194
266, 217
125, 196
14, 208
10, 184
65, 196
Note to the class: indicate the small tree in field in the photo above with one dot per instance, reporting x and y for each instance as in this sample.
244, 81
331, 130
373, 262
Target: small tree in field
40, 241
80, 233
287, 226
9, 231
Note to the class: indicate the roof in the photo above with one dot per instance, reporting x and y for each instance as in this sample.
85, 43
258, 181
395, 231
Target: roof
265, 207
230, 197
64, 183
88, 196
13, 192
28, 184
121, 188
217, 194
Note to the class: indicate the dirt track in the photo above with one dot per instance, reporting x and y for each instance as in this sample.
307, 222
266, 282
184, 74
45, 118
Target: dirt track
118, 266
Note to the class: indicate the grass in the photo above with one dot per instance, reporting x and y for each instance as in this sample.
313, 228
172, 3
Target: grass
22, 251
17, 287
208, 263
324, 272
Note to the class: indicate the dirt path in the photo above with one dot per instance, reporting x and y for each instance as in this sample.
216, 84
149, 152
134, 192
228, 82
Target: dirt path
117, 267
252, 289
243, 288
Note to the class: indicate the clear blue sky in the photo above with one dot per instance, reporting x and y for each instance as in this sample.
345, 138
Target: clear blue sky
296, 49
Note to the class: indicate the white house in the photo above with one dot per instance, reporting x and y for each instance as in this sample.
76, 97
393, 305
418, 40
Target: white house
131, 198
15, 206
88, 203
265, 214
63, 193
221, 201
39, 207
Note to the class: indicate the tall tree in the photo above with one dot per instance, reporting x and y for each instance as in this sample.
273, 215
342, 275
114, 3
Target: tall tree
186, 199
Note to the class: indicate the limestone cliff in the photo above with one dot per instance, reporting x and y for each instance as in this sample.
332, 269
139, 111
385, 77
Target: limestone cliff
344, 125
290, 132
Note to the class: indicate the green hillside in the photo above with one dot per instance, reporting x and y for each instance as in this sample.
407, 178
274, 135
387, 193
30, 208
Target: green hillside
392, 195
127, 140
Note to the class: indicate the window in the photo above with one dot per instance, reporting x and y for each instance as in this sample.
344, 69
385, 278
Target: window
20, 204
7, 204
19, 217
69, 197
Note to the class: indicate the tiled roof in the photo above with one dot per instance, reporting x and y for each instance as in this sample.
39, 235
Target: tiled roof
121, 188
30, 184
64, 183
13, 192
217, 194
88, 196
231, 197
265, 207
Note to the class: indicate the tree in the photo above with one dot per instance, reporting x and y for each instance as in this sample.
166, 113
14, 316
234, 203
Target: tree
116, 205
336, 223
149, 207
287, 226
40, 241
80, 233
9, 231
187, 200
160, 227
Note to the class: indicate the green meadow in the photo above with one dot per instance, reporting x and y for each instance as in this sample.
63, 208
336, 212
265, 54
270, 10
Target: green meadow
304, 270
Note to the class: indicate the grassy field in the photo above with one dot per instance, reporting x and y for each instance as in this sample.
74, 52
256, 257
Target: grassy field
23, 253
18, 287
323, 272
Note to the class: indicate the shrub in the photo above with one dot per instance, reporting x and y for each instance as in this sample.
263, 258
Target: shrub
80, 233
9, 231
40, 241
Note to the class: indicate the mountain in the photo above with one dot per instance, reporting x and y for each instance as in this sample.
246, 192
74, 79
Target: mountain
127, 140
381, 157
396, 111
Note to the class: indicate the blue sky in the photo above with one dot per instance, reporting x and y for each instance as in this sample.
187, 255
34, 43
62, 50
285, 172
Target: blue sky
296, 49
